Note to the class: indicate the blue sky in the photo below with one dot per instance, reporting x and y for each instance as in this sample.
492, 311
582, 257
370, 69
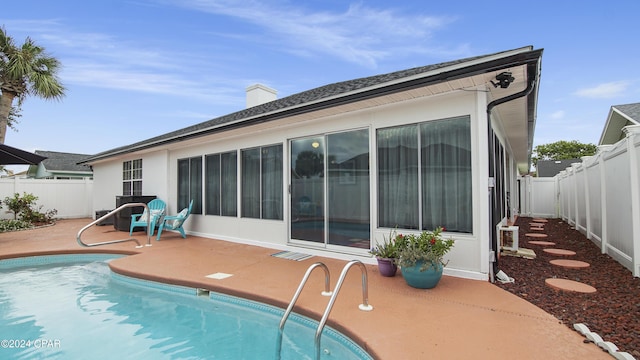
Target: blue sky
139, 68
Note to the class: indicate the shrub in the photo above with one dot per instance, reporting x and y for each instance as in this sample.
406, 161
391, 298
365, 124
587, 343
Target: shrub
23, 208
35, 216
14, 225
18, 204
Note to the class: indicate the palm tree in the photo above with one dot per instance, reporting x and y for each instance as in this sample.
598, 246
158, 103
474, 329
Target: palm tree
25, 70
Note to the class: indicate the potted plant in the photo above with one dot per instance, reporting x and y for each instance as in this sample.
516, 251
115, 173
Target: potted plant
422, 258
387, 253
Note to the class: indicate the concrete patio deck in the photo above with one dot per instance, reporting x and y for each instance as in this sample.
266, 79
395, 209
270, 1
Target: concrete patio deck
459, 319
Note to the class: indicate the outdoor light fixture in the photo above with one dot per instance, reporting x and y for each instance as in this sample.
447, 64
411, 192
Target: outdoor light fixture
504, 80
315, 144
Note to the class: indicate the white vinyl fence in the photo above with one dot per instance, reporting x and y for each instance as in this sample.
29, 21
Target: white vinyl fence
71, 198
539, 197
600, 197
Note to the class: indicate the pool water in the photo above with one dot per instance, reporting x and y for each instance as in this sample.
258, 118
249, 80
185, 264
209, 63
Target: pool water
80, 310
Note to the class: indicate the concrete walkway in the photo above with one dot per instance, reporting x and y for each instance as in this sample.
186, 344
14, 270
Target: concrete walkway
459, 319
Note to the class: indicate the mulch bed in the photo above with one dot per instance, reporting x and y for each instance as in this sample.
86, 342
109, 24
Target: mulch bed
613, 312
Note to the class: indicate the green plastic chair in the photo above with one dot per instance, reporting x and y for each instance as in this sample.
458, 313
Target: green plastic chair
156, 208
175, 222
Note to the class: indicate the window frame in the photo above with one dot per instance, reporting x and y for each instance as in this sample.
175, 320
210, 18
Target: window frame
416, 156
228, 188
192, 190
132, 177
258, 183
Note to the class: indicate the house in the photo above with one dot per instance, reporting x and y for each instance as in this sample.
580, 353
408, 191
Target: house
619, 117
60, 166
332, 170
550, 168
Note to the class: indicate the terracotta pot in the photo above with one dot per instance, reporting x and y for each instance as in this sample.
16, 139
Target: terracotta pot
387, 267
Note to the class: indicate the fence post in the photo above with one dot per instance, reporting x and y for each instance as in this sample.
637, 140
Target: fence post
527, 195
603, 198
632, 133
562, 178
575, 167
587, 196
571, 201
16, 181
557, 195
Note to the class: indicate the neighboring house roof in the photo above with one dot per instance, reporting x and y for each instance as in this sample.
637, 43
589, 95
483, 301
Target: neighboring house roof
60, 163
619, 117
439, 78
550, 168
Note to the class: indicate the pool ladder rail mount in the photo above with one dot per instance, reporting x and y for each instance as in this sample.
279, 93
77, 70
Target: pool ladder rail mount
365, 306
97, 221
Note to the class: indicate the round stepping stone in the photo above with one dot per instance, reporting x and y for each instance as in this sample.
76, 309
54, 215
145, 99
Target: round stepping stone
536, 235
559, 252
570, 285
537, 229
571, 264
538, 220
542, 243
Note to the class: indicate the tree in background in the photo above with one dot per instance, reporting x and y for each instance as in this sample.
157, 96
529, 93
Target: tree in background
562, 150
14, 114
24, 70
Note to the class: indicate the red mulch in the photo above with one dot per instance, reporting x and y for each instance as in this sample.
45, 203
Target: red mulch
613, 312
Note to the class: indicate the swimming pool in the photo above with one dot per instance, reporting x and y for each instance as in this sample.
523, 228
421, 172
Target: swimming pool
73, 307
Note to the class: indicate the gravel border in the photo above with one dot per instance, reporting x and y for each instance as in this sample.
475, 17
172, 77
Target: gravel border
613, 312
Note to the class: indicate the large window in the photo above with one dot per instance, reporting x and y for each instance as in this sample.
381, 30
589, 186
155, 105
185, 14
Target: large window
424, 176
190, 183
221, 184
262, 178
132, 177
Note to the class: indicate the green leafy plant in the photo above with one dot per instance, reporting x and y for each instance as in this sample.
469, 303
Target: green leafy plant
24, 208
36, 216
390, 246
19, 204
13, 225
429, 247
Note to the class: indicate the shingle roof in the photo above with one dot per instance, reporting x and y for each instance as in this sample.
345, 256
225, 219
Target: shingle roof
551, 168
59, 161
325, 96
631, 110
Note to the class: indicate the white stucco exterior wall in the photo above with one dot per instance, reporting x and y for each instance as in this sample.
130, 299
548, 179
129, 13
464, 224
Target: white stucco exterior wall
470, 256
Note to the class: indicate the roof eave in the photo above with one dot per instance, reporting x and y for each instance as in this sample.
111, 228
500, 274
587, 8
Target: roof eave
516, 58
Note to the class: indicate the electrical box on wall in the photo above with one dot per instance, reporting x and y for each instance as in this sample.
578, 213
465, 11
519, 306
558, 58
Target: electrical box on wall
508, 236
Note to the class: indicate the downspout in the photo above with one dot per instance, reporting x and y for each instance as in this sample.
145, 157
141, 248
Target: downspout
494, 237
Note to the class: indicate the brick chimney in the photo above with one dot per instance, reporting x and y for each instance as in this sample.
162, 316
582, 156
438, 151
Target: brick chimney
259, 94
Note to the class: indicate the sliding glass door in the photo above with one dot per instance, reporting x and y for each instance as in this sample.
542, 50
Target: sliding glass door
330, 197
307, 189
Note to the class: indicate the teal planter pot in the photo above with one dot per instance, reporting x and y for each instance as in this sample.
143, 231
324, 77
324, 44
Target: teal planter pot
427, 279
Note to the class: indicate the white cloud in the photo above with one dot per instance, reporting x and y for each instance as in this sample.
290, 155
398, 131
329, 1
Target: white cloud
360, 34
558, 115
97, 75
105, 61
604, 91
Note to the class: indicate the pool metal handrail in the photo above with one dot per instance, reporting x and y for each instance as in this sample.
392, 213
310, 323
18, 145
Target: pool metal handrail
326, 292
364, 306
128, 205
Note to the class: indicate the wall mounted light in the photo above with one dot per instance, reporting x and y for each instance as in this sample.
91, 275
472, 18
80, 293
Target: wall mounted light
504, 80
315, 144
